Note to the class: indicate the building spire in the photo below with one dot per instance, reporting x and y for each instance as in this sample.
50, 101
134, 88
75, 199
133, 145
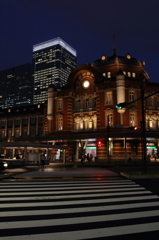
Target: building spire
114, 43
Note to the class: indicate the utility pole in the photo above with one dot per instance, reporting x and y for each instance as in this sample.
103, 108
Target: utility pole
108, 140
143, 129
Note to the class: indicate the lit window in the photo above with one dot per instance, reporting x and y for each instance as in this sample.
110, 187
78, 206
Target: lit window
8, 110
60, 104
108, 98
129, 74
60, 124
17, 133
104, 74
131, 96
109, 74
90, 124
38, 105
124, 72
133, 74
132, 119
110, 119
81, 124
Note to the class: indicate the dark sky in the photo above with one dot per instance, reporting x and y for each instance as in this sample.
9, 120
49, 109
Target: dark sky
87, 25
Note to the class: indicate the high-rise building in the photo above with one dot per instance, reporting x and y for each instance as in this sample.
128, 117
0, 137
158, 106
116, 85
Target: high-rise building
53, 61
16, 86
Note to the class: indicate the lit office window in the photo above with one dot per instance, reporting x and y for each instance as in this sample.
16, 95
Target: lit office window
129, 74
133, 75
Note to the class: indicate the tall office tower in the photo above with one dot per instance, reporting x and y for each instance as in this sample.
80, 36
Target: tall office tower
53, 61
16, 86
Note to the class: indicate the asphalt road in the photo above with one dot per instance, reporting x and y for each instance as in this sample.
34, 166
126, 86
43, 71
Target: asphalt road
150, 184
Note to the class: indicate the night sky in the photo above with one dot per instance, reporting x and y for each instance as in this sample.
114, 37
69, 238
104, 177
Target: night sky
87, 25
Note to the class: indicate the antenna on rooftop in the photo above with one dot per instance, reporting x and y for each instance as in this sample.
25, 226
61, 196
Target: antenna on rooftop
114, 44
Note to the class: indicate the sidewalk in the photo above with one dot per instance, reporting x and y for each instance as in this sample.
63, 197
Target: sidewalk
60, 171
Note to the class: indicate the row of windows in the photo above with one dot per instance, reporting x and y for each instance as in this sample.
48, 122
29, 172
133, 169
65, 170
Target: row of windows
24, 121
109, 97
23, 134
79, 104
92, 124
129, 74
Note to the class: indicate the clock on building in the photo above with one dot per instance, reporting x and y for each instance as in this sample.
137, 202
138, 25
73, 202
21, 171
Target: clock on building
86, 84
103, 57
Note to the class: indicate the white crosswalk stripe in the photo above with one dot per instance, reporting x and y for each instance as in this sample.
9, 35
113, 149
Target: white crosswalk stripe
77, 210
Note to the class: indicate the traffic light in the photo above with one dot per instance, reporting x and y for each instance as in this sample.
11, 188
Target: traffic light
122, 105
133, 128
99, 143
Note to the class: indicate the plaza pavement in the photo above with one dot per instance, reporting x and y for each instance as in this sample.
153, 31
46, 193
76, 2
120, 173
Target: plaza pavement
69, 171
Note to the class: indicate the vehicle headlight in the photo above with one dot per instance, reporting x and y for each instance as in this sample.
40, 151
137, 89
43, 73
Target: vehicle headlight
5, 165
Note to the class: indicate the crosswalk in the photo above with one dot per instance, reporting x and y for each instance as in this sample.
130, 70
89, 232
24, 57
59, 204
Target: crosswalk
73, 210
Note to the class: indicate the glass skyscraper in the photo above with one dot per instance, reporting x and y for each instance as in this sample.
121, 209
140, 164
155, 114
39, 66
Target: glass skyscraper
16, 86
53, 62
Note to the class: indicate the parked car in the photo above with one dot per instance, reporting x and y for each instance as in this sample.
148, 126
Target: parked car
3, 165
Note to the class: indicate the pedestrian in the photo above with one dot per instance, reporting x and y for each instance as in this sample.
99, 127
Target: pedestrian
91, 157
42, 162
129, 159
82, 158
88, 159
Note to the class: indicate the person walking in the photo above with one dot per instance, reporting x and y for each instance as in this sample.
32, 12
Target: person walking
42, 162
88, 159
82, 158
91, 157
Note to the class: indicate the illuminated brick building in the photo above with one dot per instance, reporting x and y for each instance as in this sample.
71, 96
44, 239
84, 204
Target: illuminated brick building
84, 112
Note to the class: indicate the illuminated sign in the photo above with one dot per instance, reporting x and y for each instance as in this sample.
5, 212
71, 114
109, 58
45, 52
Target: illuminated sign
152, 147
90, 147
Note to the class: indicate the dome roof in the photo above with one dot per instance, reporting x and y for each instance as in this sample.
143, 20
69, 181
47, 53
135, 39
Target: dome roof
127, 60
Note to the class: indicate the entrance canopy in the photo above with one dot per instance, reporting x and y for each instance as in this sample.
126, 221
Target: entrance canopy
30, 145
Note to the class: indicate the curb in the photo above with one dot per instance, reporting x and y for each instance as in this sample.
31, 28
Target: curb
64, 178
140, 176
